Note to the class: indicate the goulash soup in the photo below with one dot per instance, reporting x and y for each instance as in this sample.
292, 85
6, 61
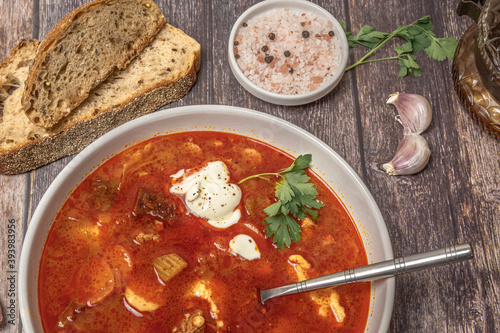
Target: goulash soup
163, 238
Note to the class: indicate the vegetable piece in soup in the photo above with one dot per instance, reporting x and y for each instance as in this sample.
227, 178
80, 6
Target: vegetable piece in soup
126, 253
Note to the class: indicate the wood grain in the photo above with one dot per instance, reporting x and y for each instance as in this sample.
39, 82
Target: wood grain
455, 199
437, 207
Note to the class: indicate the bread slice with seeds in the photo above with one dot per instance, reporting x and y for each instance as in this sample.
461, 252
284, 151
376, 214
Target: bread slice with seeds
15, 128
82, 50
162, 73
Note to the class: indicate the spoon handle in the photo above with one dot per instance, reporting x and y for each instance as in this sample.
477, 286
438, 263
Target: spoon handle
379, 270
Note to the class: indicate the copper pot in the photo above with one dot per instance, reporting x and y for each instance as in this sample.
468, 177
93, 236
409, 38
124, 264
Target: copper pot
486, 14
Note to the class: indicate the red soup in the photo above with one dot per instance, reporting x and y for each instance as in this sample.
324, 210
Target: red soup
126, 254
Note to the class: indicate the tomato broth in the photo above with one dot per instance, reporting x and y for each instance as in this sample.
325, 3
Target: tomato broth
122, 217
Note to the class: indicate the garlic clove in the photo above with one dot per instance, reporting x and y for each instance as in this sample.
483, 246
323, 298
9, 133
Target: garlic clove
412, 155
414, 111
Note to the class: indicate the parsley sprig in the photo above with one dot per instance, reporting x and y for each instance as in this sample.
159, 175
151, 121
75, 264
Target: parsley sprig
296, 197
418, 36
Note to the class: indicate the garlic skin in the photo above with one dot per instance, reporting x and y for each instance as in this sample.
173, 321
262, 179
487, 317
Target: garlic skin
414, 111
412, 155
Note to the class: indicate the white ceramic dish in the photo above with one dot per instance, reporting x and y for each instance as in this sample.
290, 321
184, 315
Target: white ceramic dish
283, 135
281, 99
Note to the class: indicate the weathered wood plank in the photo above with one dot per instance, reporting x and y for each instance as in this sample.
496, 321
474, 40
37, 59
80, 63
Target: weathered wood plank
16, 19
437, 207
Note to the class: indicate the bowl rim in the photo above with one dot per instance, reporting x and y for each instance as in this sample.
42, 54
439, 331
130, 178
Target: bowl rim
28, 270
273, 97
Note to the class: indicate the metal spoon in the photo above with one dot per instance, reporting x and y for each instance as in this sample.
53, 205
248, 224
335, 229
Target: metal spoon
379, 270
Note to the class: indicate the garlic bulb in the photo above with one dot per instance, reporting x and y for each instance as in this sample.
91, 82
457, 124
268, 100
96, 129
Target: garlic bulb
412, 155
414, 111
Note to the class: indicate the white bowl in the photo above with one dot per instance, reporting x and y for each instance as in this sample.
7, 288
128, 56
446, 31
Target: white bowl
269, 129
282, 99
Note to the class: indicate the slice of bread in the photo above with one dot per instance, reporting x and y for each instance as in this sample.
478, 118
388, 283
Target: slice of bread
82, 50
162, 73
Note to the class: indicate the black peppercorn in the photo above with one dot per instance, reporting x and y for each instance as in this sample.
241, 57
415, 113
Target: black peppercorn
287, 54
245, 25
268, 58
331, 33
305, 34
264, 48
237, 56
236, 43
290, 70
271, 36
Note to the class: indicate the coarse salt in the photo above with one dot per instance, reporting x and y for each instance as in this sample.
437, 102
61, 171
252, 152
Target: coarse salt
312, 48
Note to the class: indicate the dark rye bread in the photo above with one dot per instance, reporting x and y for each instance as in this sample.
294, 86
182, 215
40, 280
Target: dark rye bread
162, 73
82, 50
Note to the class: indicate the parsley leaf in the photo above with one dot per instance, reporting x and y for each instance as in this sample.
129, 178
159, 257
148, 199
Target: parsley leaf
418, 39
300, 162
442, 48
296, 200
273, 209
282, 227
404, 48
418, 35
425, 23
367, 36
284, 192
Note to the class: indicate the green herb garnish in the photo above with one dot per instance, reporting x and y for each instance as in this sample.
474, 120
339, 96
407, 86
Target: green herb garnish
418, 36
296, 197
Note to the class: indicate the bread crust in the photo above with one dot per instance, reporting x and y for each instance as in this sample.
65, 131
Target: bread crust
76, 137
21, 44
61, 28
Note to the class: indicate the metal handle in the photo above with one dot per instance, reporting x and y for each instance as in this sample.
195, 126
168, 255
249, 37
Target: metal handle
383, 269
470, 8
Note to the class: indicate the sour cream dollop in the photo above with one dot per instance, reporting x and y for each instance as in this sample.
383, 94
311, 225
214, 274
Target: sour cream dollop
207, 194
244, 246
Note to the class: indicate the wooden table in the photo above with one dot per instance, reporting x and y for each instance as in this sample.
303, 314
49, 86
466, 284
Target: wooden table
455, 199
